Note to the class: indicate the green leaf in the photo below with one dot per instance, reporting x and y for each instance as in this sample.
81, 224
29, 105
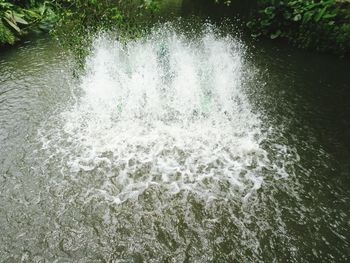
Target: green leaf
20, 20
42, 9
6, 36
250, 24
297, 17
326, 16
276, 34
5, 5
256, 35
32, 14
320, 14
293, 3
307, 17
13, 25
269, 10
265, 22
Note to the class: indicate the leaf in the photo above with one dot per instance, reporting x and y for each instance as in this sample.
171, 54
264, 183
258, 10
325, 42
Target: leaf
13, 25
276, 34
42, 9
20, 20
293, 3
32, 14
250, 24
307, 17
6, 36
265, 22
6, 5
326, 16
9, 15
256, 35
297, 17
320, 14
269, 10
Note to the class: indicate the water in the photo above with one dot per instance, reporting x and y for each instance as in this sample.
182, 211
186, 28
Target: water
175, 147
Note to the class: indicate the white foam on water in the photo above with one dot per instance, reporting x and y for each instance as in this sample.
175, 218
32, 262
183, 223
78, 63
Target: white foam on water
163, 110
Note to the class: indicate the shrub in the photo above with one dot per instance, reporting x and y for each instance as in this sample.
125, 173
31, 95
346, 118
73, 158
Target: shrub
19, 17
318, 25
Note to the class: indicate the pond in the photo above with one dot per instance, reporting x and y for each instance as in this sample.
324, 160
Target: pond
189, 144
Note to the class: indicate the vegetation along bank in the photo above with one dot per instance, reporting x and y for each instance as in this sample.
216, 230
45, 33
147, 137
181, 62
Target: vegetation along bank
321, 25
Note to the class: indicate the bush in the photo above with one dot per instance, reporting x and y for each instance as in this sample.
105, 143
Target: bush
80, 20
317, 25
17, 18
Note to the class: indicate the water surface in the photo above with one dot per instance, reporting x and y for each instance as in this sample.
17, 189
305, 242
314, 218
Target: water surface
175, 147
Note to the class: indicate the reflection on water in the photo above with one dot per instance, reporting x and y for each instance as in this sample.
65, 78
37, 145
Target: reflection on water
176, 148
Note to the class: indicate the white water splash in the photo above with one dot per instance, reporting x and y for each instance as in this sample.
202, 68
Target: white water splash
162, 110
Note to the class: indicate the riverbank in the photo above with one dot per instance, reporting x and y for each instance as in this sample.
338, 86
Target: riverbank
19, 18
322, 26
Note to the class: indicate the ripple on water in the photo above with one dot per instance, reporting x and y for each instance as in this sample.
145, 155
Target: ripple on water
162, 154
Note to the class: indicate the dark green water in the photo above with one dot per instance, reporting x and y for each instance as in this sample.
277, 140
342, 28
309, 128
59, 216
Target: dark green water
174, 148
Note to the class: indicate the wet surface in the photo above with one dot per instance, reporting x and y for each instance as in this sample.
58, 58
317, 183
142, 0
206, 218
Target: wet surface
172, 149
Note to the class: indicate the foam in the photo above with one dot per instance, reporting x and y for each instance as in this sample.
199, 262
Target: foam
162, 110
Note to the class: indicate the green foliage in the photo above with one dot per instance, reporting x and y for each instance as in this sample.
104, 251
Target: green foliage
317, 25
80, 20
104, 14
226, 2
73, 20
6, 35
322, 25
19, 17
